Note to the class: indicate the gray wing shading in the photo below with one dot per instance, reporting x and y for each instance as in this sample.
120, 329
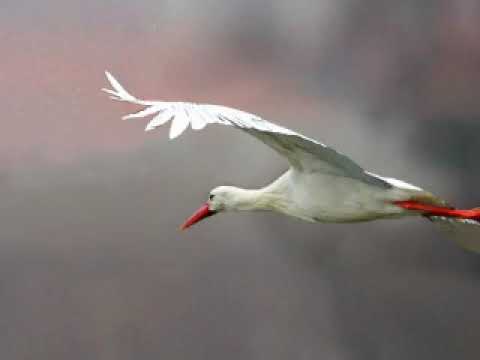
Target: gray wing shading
464, 232
303, 153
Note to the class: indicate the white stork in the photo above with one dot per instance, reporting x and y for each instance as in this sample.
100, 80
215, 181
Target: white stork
321, 185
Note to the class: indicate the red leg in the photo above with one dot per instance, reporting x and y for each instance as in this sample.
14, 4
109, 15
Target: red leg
439, 211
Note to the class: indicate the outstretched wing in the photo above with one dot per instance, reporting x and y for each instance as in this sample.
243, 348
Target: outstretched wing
465, 232
303, 153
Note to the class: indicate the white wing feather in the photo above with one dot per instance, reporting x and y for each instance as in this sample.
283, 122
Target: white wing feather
303, 153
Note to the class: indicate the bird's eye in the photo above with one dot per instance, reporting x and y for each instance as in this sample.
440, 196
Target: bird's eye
211, 196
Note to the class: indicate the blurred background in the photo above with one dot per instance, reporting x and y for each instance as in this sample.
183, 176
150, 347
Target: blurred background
92, 265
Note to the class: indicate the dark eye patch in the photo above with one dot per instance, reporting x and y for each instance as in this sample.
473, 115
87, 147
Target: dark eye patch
211, 196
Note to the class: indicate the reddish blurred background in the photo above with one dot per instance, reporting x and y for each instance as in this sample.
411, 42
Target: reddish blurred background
91, 263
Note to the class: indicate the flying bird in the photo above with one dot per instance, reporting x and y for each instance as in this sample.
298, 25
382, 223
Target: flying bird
321, 184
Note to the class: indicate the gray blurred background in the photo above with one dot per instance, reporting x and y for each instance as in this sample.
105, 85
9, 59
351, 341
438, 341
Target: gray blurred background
92, 265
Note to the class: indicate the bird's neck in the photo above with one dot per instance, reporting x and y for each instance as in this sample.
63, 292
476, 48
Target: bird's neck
270, 198
256, 200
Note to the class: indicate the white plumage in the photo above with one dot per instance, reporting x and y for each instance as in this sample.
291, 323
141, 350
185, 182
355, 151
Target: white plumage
322, 185
302, 152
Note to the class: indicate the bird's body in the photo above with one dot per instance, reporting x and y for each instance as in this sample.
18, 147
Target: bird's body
321, 184
317, 197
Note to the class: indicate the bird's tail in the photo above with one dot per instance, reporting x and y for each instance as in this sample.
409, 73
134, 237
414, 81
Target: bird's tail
461, 225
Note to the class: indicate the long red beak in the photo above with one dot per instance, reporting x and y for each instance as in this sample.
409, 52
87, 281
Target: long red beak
200, 214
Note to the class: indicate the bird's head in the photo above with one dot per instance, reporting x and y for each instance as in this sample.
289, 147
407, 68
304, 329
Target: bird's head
221, 198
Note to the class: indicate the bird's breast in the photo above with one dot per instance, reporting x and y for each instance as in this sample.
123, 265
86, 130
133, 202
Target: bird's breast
328, 198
